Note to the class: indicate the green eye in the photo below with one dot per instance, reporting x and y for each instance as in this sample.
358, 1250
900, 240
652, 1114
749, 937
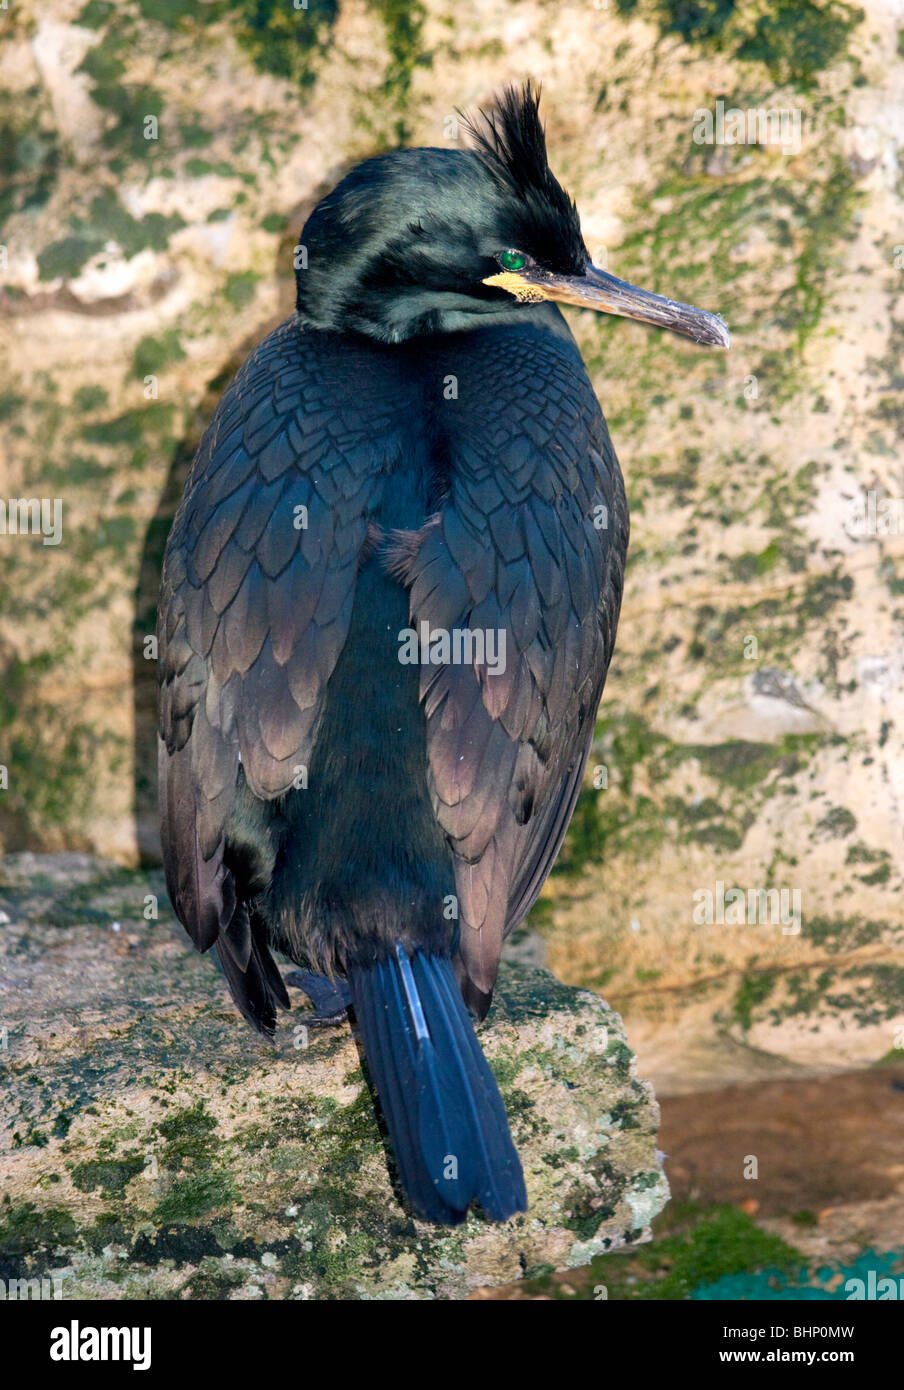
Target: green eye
512, 260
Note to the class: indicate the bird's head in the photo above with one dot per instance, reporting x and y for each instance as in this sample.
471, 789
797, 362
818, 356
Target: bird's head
430, 240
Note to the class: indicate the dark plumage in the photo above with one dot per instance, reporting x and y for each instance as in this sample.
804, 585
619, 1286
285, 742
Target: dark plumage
412, 446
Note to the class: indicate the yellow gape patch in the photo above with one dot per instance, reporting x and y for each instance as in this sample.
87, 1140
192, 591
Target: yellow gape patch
511, 281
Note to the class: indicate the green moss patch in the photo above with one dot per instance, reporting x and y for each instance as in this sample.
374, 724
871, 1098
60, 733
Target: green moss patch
794, 40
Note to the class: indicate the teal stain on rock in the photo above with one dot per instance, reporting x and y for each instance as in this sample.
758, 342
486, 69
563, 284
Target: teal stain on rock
825, 1283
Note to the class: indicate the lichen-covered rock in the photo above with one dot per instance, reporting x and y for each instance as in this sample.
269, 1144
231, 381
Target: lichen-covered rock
154, 1147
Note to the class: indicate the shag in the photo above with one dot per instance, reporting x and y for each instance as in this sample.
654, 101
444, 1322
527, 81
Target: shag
388, 606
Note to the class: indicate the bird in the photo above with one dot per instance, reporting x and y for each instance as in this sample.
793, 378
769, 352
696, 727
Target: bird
388, 605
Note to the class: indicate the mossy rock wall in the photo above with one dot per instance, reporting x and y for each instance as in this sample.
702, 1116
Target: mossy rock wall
158, 160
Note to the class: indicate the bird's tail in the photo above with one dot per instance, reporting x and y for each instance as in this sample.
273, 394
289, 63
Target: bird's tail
445, 1116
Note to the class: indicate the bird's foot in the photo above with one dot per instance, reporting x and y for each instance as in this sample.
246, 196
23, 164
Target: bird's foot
330, 998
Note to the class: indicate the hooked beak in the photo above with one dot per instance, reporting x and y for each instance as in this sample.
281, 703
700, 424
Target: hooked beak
597, 289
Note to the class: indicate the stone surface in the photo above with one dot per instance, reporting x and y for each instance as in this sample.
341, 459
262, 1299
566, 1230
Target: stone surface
153, 1146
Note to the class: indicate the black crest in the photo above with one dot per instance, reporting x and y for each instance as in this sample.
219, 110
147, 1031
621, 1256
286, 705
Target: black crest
510, 142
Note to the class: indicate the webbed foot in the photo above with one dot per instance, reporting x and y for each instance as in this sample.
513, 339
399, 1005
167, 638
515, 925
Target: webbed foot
330, 998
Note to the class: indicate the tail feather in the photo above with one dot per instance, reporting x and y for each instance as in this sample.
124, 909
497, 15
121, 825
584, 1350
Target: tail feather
376, 1008
481, 1094
446, 1120
441, 1102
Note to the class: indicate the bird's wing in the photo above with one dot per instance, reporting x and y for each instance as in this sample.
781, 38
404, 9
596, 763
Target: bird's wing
256, 598
530, 543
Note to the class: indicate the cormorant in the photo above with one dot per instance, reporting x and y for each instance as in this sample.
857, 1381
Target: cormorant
388, 606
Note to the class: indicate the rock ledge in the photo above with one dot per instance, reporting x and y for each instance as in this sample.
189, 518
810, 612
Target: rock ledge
154, 1147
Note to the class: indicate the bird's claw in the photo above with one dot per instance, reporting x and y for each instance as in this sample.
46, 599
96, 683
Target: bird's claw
330, 998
